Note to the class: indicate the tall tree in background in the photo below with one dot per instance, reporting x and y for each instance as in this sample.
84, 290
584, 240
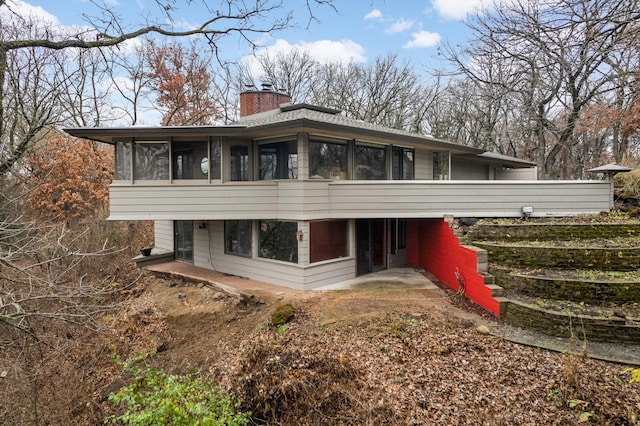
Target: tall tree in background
30, 105
554, 59
69, 179
384, 92
181, 78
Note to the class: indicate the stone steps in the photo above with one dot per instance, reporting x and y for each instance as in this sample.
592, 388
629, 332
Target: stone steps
532, 273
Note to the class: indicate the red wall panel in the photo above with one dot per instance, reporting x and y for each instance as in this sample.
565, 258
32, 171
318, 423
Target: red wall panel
432, 245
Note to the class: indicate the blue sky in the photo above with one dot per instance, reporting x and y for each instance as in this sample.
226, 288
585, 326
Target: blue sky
359, 31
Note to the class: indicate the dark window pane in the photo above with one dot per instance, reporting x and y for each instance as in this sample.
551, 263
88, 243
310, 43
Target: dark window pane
278, 160
151, 161
188, 159
278, 240
237, 237
239, 162
123, 161
327, 160
402, 163
327, 240
215, 160
369, 163
441, 165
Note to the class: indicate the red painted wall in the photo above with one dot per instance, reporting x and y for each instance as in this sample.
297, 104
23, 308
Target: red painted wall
432, 245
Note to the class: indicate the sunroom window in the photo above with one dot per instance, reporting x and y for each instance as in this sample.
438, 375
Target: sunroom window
278, 160
188, 159
441, 165
403, 163
327, 160
151, 160
123, 161
369, 162
239, 162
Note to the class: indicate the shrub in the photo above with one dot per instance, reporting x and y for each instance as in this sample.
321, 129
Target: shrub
282, 315
155, 398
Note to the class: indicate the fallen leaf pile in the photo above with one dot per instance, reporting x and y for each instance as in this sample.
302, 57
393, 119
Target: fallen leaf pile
418, 368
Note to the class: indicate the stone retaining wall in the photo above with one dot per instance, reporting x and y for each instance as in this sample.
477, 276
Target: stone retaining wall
597, 329
551, 231
566, 289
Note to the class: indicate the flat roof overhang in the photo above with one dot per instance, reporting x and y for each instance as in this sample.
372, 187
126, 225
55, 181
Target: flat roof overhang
111, 135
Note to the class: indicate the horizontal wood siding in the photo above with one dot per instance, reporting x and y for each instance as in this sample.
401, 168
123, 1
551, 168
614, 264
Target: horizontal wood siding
467, 198
423, 167
201, 239
468, 170
323, 199
517, 174
222, 201
163, 234
330, 272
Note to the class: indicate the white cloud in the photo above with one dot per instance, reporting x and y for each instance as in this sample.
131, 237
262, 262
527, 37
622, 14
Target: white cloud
399, 26
374, 14
324, 51
422, 39
17, 9
457, 9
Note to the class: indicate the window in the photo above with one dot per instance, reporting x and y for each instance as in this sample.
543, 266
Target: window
369, 162
327, 160
215, 159
188, 158
151, 160
237, 237
239, 162
441, 165
327, 240
278, 240
402, 163
278, 160
123, 161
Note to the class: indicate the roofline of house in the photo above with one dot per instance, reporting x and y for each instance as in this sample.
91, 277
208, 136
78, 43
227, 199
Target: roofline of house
111, 134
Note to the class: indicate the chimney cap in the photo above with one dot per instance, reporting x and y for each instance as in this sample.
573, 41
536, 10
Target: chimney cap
267, 86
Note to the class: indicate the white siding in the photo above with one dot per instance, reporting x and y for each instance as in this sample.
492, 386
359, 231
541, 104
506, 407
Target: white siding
517, 174
468, 170
237, 200
163, 234
467, 198
423, 166
201, 247
323, 199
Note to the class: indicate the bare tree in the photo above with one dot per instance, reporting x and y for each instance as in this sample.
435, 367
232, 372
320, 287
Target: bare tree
104, 30
554, 59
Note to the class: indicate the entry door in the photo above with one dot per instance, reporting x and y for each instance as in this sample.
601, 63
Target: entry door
183, 240
370, 245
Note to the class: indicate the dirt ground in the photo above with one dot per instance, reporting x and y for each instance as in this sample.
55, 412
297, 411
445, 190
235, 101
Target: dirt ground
371, 356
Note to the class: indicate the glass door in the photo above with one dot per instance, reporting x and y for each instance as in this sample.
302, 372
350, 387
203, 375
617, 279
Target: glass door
183, 240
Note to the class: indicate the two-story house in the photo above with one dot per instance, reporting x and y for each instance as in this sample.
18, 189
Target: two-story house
301, 196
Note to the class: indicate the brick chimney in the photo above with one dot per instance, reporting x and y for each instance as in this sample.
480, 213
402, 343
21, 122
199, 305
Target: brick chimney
256, 101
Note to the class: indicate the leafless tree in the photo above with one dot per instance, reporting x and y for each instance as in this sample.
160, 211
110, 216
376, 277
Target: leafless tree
553, 59
106, 29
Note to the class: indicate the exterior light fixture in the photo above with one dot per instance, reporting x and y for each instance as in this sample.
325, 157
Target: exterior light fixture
527, 211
